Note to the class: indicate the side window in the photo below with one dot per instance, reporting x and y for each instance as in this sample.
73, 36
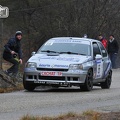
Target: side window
96, 49
103, 50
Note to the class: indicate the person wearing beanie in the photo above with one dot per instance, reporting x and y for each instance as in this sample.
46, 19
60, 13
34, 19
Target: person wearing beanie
11, 50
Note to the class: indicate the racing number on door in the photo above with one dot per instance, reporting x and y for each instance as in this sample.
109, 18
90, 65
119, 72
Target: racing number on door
99, 71
99, 62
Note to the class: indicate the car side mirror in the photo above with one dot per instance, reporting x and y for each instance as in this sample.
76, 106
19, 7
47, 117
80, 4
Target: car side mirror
98, 56
33, 53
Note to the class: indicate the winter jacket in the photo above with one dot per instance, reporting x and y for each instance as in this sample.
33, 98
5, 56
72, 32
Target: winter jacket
113, 47
104, 42
12, 45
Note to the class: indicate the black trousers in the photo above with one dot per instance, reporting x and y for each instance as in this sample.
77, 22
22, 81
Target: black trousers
13, 69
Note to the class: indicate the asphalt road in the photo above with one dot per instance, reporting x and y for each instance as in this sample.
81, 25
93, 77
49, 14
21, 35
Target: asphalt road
52, 102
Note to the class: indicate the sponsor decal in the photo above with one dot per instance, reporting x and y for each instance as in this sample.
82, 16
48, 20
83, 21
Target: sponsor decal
51, 42
72, 41
44, 65
65, 66
68, 59
107, 69
99, 72
48, 58
62, 59
57, 66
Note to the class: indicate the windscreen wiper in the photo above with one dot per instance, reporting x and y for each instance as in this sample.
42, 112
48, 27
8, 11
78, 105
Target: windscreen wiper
49, 51
71, 53
82, 54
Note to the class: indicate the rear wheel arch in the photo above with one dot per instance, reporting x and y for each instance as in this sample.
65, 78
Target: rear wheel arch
107, 83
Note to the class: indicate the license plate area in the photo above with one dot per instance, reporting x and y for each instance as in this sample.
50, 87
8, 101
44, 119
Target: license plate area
51, 73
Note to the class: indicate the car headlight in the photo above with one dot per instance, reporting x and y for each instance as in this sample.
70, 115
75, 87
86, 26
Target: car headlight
31, 65
75, 66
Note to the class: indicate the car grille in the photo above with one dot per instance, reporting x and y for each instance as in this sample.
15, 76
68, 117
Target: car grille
51, 78
51, 69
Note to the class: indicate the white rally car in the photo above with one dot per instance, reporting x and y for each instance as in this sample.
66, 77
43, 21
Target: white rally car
67, 62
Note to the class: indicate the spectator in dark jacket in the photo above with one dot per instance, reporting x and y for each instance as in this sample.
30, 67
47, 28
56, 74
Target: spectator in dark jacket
13, 49
113, 48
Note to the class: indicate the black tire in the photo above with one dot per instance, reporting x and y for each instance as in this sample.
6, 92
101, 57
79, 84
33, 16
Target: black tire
108, 80
88, 85
28, 86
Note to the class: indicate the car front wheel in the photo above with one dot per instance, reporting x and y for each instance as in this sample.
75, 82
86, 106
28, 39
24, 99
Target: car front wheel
88, 85
28, 86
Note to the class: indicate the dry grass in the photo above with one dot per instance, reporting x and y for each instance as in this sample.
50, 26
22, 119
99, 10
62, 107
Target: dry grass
87, 115
11, 89
27, 117
6, 65
94, 115
19, 86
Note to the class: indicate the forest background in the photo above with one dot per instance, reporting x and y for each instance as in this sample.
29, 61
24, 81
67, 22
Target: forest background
40, 20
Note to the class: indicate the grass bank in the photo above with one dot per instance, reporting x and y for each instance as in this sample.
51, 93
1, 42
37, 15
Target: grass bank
12, 89
88, 115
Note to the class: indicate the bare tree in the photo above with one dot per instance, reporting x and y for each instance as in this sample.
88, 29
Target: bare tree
43, 19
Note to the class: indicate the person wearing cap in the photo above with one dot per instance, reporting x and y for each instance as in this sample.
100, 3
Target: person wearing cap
11, 50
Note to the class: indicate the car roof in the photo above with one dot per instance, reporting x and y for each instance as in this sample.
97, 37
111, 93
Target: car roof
75, 38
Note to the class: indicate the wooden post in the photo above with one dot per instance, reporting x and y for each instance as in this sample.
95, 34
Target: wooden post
1, 43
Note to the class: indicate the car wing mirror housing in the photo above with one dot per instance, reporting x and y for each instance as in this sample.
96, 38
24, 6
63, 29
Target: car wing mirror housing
98, 56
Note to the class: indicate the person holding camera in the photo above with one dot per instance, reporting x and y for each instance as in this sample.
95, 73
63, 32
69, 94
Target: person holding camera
11, 51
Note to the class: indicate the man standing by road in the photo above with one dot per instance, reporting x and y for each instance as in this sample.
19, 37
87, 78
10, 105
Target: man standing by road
113, 48
12, 49
103, 40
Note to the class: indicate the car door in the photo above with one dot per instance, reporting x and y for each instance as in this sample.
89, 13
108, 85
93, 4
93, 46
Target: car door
106, 60
98, 62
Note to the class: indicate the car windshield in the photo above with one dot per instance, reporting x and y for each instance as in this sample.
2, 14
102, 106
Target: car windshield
65, 48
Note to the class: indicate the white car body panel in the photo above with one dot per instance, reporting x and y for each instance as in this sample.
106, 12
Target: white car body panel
54, 68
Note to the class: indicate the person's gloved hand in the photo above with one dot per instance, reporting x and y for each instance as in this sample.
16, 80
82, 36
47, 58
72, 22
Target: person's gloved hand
13, 52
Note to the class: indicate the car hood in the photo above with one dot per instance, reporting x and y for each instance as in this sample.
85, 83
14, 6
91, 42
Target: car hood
58, 61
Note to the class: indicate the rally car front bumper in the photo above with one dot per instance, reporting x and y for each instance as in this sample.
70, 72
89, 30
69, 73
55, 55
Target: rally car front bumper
55, 77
